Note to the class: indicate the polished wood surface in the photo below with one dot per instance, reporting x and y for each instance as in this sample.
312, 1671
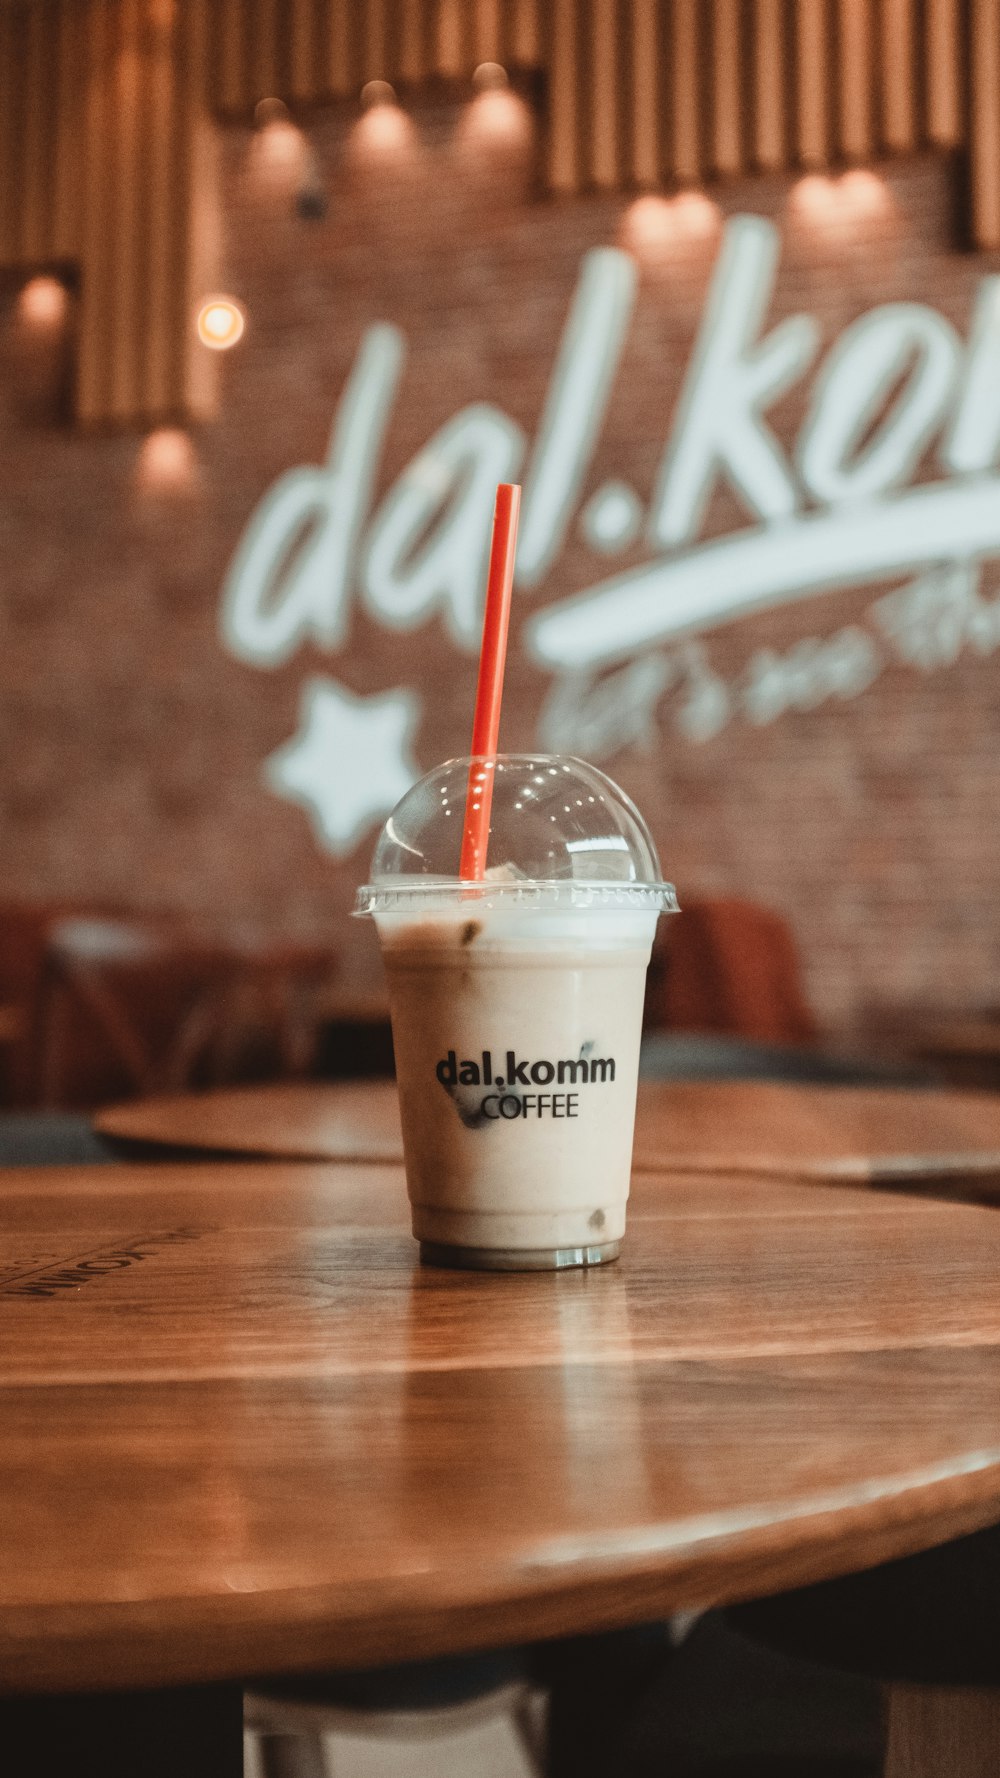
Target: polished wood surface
244, 1431
876, 1135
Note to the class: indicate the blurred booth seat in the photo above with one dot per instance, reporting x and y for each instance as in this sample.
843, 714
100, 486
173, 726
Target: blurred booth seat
124, 1006
728, 967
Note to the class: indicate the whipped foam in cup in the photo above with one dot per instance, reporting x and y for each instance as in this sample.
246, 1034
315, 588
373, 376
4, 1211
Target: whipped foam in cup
516, 1010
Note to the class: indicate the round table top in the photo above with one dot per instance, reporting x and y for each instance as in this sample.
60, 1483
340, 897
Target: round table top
244, 1431
880, 1135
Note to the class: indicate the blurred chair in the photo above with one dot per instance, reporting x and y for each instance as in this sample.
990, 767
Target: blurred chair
127, 1007
729, 967
23, 936
500, 1725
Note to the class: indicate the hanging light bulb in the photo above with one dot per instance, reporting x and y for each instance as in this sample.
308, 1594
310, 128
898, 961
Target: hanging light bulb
268, 111
377, 92
221, 323
490, 77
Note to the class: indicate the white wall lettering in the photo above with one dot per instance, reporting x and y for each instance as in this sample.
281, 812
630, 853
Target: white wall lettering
838, 511
601, 718
574, 407
290, 577
974, 438
428, 544
813, 671
754, 570
851, 391
719, 424
933, 619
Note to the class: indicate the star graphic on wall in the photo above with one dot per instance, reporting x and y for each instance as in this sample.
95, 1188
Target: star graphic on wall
350, 761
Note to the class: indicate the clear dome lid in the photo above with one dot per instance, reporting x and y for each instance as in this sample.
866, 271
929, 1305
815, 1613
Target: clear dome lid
561, 834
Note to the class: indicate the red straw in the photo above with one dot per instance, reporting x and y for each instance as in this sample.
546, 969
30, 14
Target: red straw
489, 690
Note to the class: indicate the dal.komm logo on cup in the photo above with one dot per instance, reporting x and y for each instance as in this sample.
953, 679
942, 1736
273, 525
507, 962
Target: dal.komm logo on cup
511, 1095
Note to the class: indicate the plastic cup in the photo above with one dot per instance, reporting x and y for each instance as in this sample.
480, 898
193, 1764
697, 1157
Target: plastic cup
516, 1008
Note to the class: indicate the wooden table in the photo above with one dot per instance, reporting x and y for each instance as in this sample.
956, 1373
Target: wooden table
874, 1135
244, 1431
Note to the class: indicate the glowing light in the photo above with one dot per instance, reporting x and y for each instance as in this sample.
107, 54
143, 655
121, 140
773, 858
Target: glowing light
653, 225
489, 77
383, 128
843, 201
166, 462
695, 213
865, 192
280, 152
43, 302
497, 115
221, 323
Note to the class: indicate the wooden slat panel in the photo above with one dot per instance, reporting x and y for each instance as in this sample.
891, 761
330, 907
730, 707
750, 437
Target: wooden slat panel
603, 104
685, 108
98, 183
11, 134
984, 102
68, 104
487, 34
413, 57
196, 217
165, 239
855, 66
564, 156
265, 66
303, 31
812, 98
525, 33
896, 61
38, 24
450, 51
771, 134
342, 68
942, 55
645, 92
127, 98
727, 144
374, 48
97, 284
182, 357
231, 80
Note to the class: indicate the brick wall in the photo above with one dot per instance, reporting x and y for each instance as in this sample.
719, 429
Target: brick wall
133, 743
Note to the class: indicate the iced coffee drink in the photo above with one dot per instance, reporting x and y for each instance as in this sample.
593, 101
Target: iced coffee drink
516, 1011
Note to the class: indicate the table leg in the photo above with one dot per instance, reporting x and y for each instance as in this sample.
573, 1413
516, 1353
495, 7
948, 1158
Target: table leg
938, 1731
194, 1730
594, 1684
292, 1756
